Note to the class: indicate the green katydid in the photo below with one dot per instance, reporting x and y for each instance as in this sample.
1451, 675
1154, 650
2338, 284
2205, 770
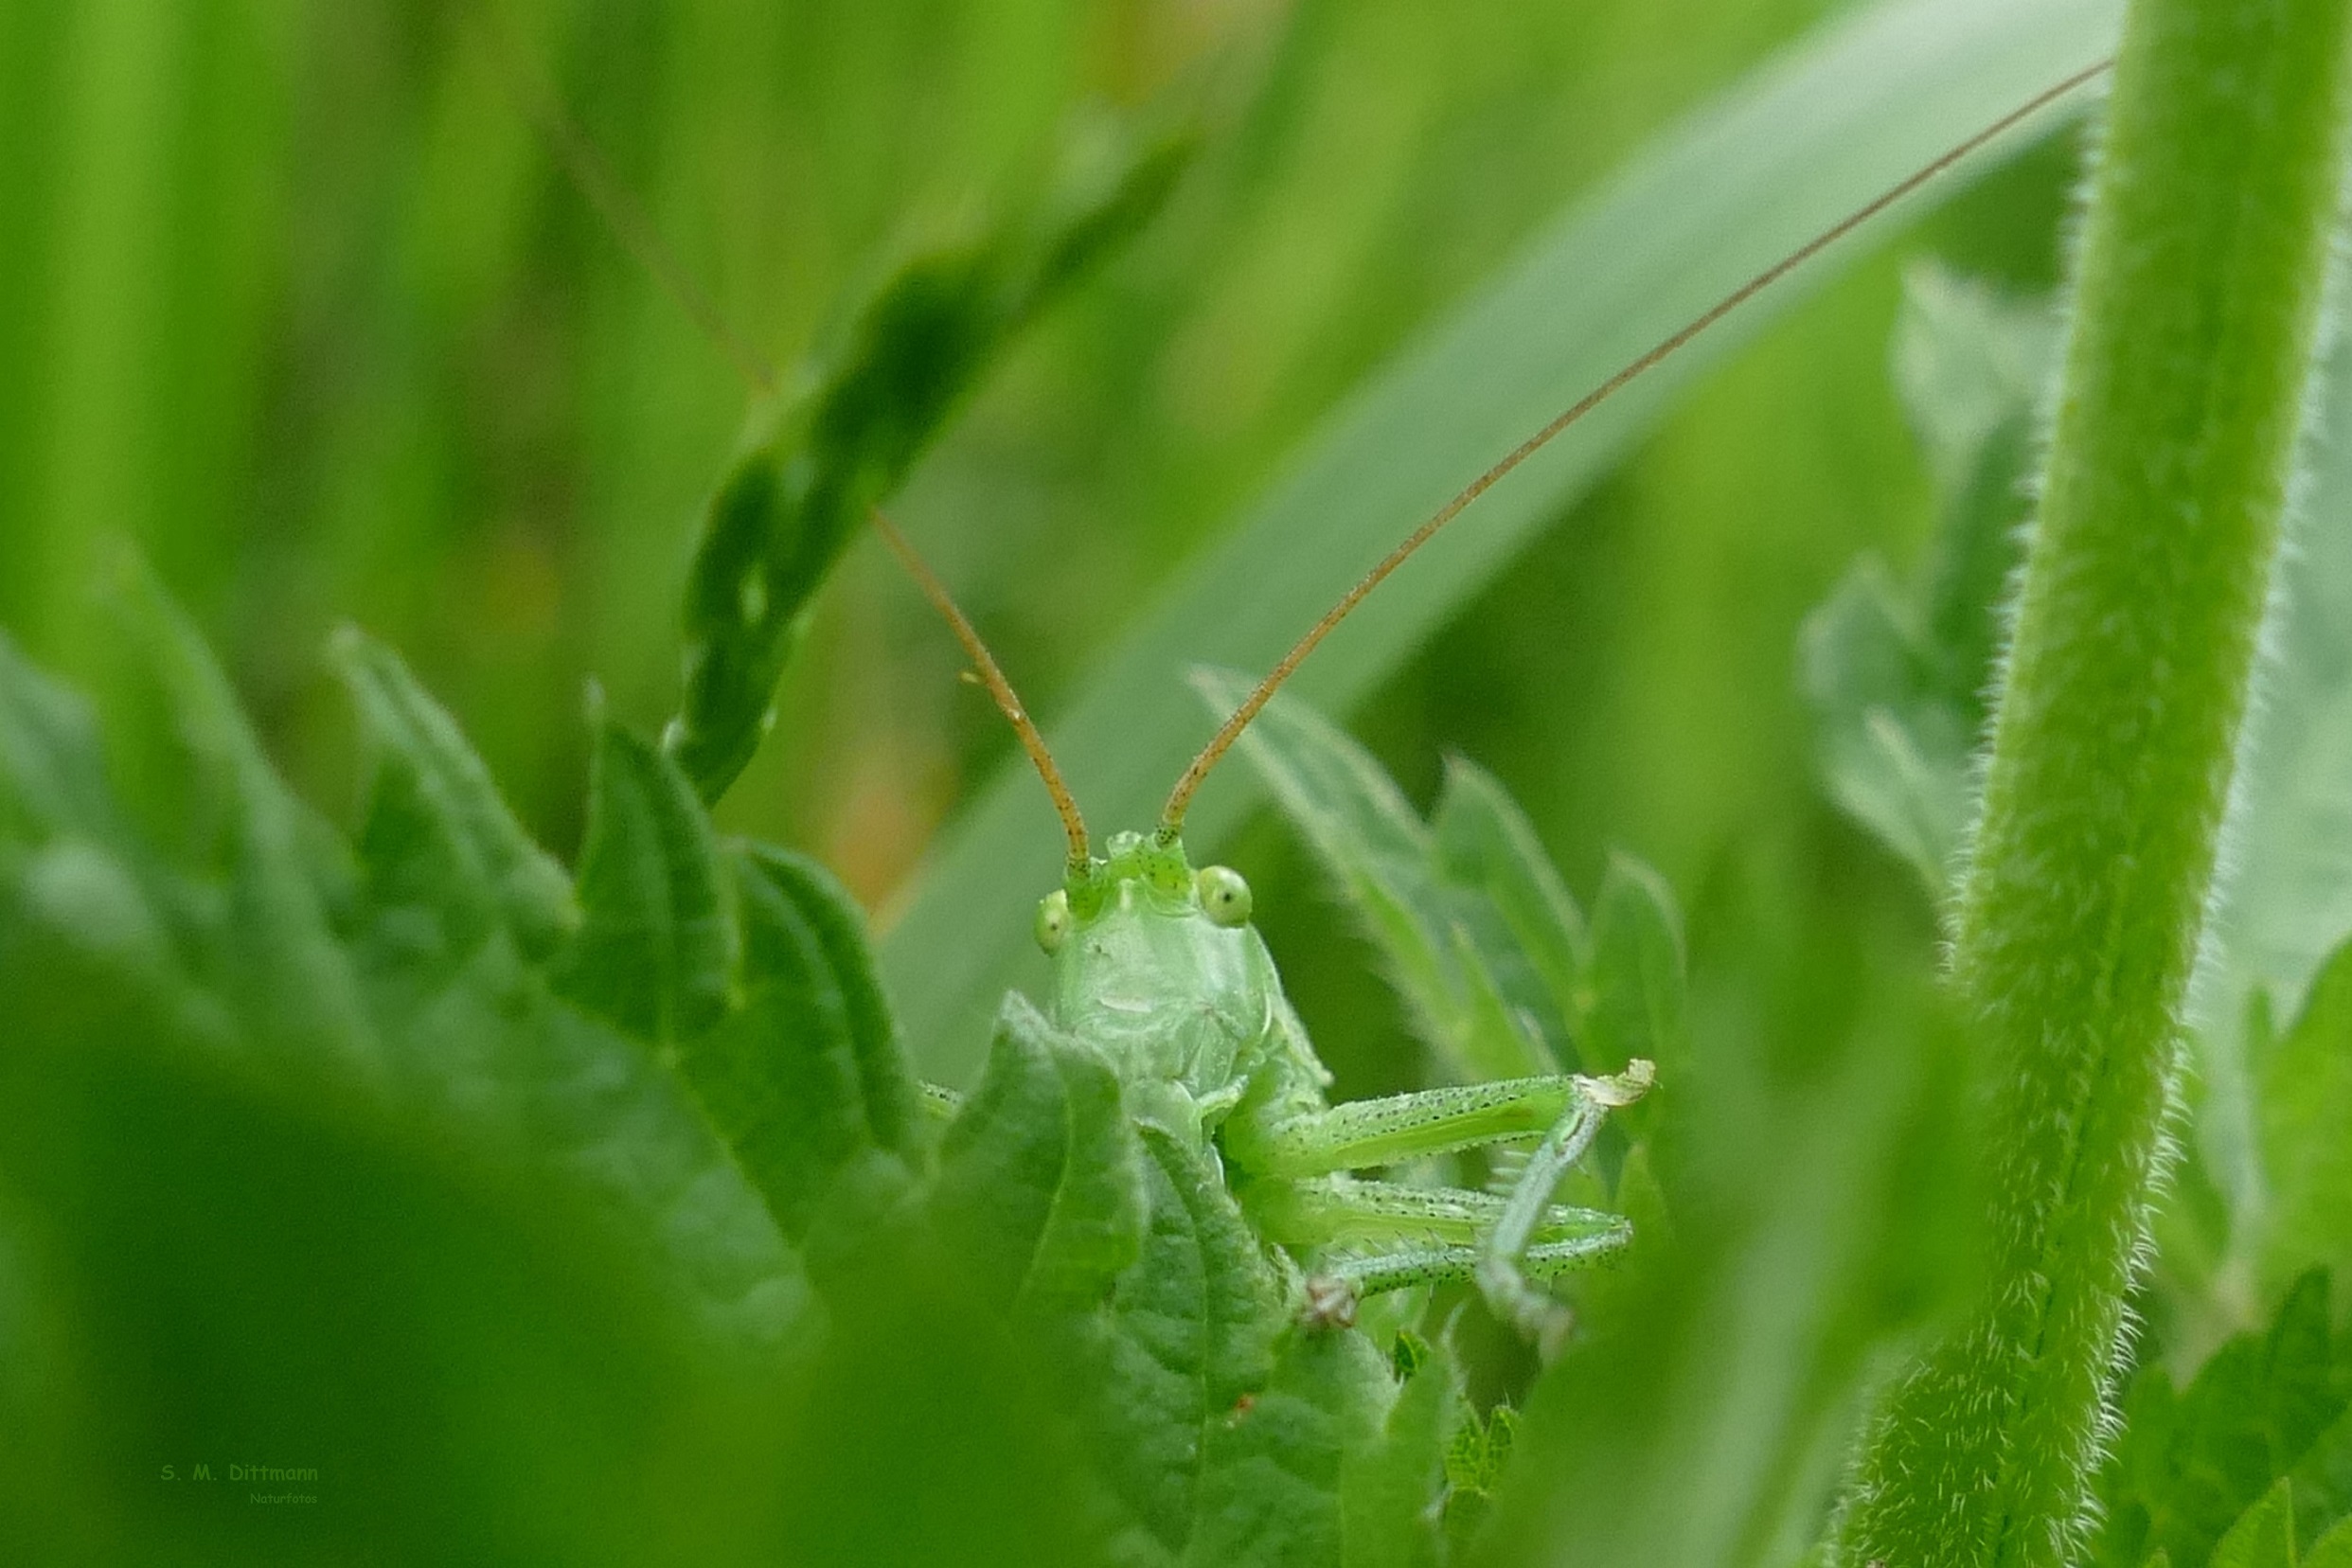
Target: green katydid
1156, 964
1157, 967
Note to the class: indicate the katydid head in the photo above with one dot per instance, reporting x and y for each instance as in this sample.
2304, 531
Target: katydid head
1154, 962
1157, 963
1159, 872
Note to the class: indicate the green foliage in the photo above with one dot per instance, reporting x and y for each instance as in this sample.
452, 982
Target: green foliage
572, 1196
2196, 1468
1041, 1172
1729, 190
1476, 1462
1503, 975
658, 946
664, 1107
2306, 1099
270, 1098
2264, 1537
843, 432
1220, 1430
745, 967
2332, 1550
1898, 676
2201, 272
621, 1187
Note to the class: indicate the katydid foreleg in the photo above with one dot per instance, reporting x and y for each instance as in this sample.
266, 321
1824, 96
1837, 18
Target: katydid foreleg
1389, 1237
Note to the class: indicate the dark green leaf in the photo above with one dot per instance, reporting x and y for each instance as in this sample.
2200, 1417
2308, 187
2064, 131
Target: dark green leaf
892, 1096
1634, 991
1182, 1351
657, 944
805, 1080
1307, 1474
2189, 1464
458, 906
1039, 1182
436, 818
1392, 870
1528, 930
2306, 1081
2332, 1550
818, 457
1896, 675
2264, 1535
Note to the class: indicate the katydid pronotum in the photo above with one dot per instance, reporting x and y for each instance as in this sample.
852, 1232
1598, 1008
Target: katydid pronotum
1157, 967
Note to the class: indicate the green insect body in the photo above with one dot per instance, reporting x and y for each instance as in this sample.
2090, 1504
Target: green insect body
1157, 967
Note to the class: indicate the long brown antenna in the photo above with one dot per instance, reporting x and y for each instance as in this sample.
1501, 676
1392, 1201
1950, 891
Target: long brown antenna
594, 178
1180, 798
1065, 804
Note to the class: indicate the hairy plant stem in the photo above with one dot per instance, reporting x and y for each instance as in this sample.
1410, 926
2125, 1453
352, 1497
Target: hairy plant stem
2196, 312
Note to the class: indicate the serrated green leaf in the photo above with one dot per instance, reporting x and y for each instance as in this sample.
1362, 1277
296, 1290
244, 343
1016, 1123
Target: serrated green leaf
1635, 1003
1387, 1485
892, 1096
2306, 1107
581, 1096
2263, 1536
458, 909
435, 816
1225, 1434
1182, 1348
260, 875
842, 436
2332, 1550
428, 955
1528, 930
1039, 1182
2189, 1464
657, 944
804, 1079
1385, 861
1276, 1485
1897, 674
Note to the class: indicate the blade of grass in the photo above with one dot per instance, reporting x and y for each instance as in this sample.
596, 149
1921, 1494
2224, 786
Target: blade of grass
1772, 163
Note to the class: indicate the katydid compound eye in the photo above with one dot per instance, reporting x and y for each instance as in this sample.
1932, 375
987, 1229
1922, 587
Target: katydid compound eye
1224, 897
1052, 919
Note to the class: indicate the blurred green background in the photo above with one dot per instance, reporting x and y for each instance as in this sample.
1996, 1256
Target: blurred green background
297, 297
